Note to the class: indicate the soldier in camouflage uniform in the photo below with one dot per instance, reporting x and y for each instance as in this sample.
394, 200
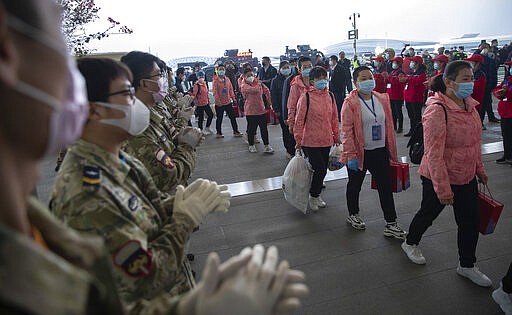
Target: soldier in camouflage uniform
169, 162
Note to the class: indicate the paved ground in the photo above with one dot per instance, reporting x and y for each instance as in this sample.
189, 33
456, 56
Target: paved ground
348, 271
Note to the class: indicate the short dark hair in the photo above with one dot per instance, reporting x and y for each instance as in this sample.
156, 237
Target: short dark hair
221, 65
302, 60
450, 72
247, 70
25, 10
293, 60
265, 58
334, 57
140, 64
180, 70
358, 70
99, 73
317, 72
283, 63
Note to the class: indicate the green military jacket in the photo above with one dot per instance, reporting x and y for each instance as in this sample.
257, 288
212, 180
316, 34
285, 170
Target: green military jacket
172, 109
169, 164
114, 197
70, 276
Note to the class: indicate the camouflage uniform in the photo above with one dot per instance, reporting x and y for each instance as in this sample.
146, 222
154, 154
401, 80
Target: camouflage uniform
72, 277
174, 103
169, 164
115, 197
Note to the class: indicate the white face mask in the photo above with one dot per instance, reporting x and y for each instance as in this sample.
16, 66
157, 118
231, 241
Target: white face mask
135, 120
250, 79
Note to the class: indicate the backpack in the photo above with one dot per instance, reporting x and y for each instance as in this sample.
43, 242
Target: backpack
307, 104
415, 144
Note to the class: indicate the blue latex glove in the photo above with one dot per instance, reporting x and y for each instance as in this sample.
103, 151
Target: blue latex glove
353, 165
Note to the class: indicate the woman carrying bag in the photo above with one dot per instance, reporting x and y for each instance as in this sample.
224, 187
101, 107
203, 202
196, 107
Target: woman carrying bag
451, 163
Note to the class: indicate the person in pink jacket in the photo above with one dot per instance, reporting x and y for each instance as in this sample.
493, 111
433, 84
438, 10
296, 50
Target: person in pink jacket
224, 95
253, 90
298, 86
451, 163
369, 144
316, 130
202, 102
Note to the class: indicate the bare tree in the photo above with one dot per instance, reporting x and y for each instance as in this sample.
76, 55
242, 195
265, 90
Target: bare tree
76, 14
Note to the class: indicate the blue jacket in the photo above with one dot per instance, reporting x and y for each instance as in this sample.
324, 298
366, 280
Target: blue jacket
276, 92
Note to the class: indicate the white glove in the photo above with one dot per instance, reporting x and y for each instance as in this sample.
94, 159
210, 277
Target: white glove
197, 200
185, 101
224, 195
191, 136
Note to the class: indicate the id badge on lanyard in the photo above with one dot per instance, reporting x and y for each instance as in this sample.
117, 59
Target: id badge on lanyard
376, 127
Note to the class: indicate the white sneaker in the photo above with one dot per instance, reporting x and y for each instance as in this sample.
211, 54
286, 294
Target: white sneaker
394, 230
313, 203
206, 132
321, 202
414, 253
474, 275
503, 299
356, 222
268, 149
212, 130
252, 149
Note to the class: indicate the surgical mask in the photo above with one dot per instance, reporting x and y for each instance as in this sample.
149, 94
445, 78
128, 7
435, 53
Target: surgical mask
436, 66
394, 66
222, 72
375, 63
306, 72
135, 120
331, 63
321, 84
163, 86
367, 86
286, 71
510, 70
465, 89
484, 51
411, 65
250, 79
68, 116
386, 56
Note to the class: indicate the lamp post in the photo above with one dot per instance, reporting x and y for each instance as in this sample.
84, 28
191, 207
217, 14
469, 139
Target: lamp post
354, 33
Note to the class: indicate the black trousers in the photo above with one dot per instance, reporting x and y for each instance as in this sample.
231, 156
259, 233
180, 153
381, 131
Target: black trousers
319, 159
467, 216
200, 113
398, 116
253, 122
219, 110
288, 139
339, 97
377, 162
506, 133
414, 112
507, 281
487, 104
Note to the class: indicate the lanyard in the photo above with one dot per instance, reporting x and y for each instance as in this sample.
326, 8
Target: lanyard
370, 109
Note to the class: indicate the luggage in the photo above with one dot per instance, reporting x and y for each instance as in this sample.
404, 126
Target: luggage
400, 177
334, 158
236, 110
271, 117
490, 211
296, 182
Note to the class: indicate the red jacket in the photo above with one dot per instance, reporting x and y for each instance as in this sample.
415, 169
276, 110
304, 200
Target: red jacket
253, 95
380, 83
222, 91
297, 88
200, 94
505, 107
478, 90
405, 65
396, 88
415, 87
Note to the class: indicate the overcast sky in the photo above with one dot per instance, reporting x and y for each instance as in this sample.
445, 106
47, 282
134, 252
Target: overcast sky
173, 29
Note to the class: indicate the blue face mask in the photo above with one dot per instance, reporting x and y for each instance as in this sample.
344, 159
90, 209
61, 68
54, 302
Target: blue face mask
465, 90
286, 71
510, 71
394, 66
221, 72
367, 86
436, 66
411, 65
321, 84
306, 72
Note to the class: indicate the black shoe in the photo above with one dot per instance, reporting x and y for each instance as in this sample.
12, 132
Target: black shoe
504, 160
323, 185
191, 257
494, 120
399, 130
407, 134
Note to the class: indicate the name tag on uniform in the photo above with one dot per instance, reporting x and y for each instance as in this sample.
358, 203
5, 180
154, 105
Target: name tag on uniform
388, 86
224, 91
376, 132
406, 86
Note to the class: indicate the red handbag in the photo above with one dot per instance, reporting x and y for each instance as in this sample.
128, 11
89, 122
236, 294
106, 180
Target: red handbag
490, 211
399, 175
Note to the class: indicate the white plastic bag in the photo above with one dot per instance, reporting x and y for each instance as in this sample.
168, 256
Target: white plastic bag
334, 158
296, 182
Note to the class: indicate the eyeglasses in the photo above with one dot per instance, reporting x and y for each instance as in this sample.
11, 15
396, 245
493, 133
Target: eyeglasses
160, 75
130, 92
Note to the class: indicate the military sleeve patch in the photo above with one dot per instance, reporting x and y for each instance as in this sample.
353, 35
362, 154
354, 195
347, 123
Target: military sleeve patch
133, 259
91, 176
163, 158
133, 203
